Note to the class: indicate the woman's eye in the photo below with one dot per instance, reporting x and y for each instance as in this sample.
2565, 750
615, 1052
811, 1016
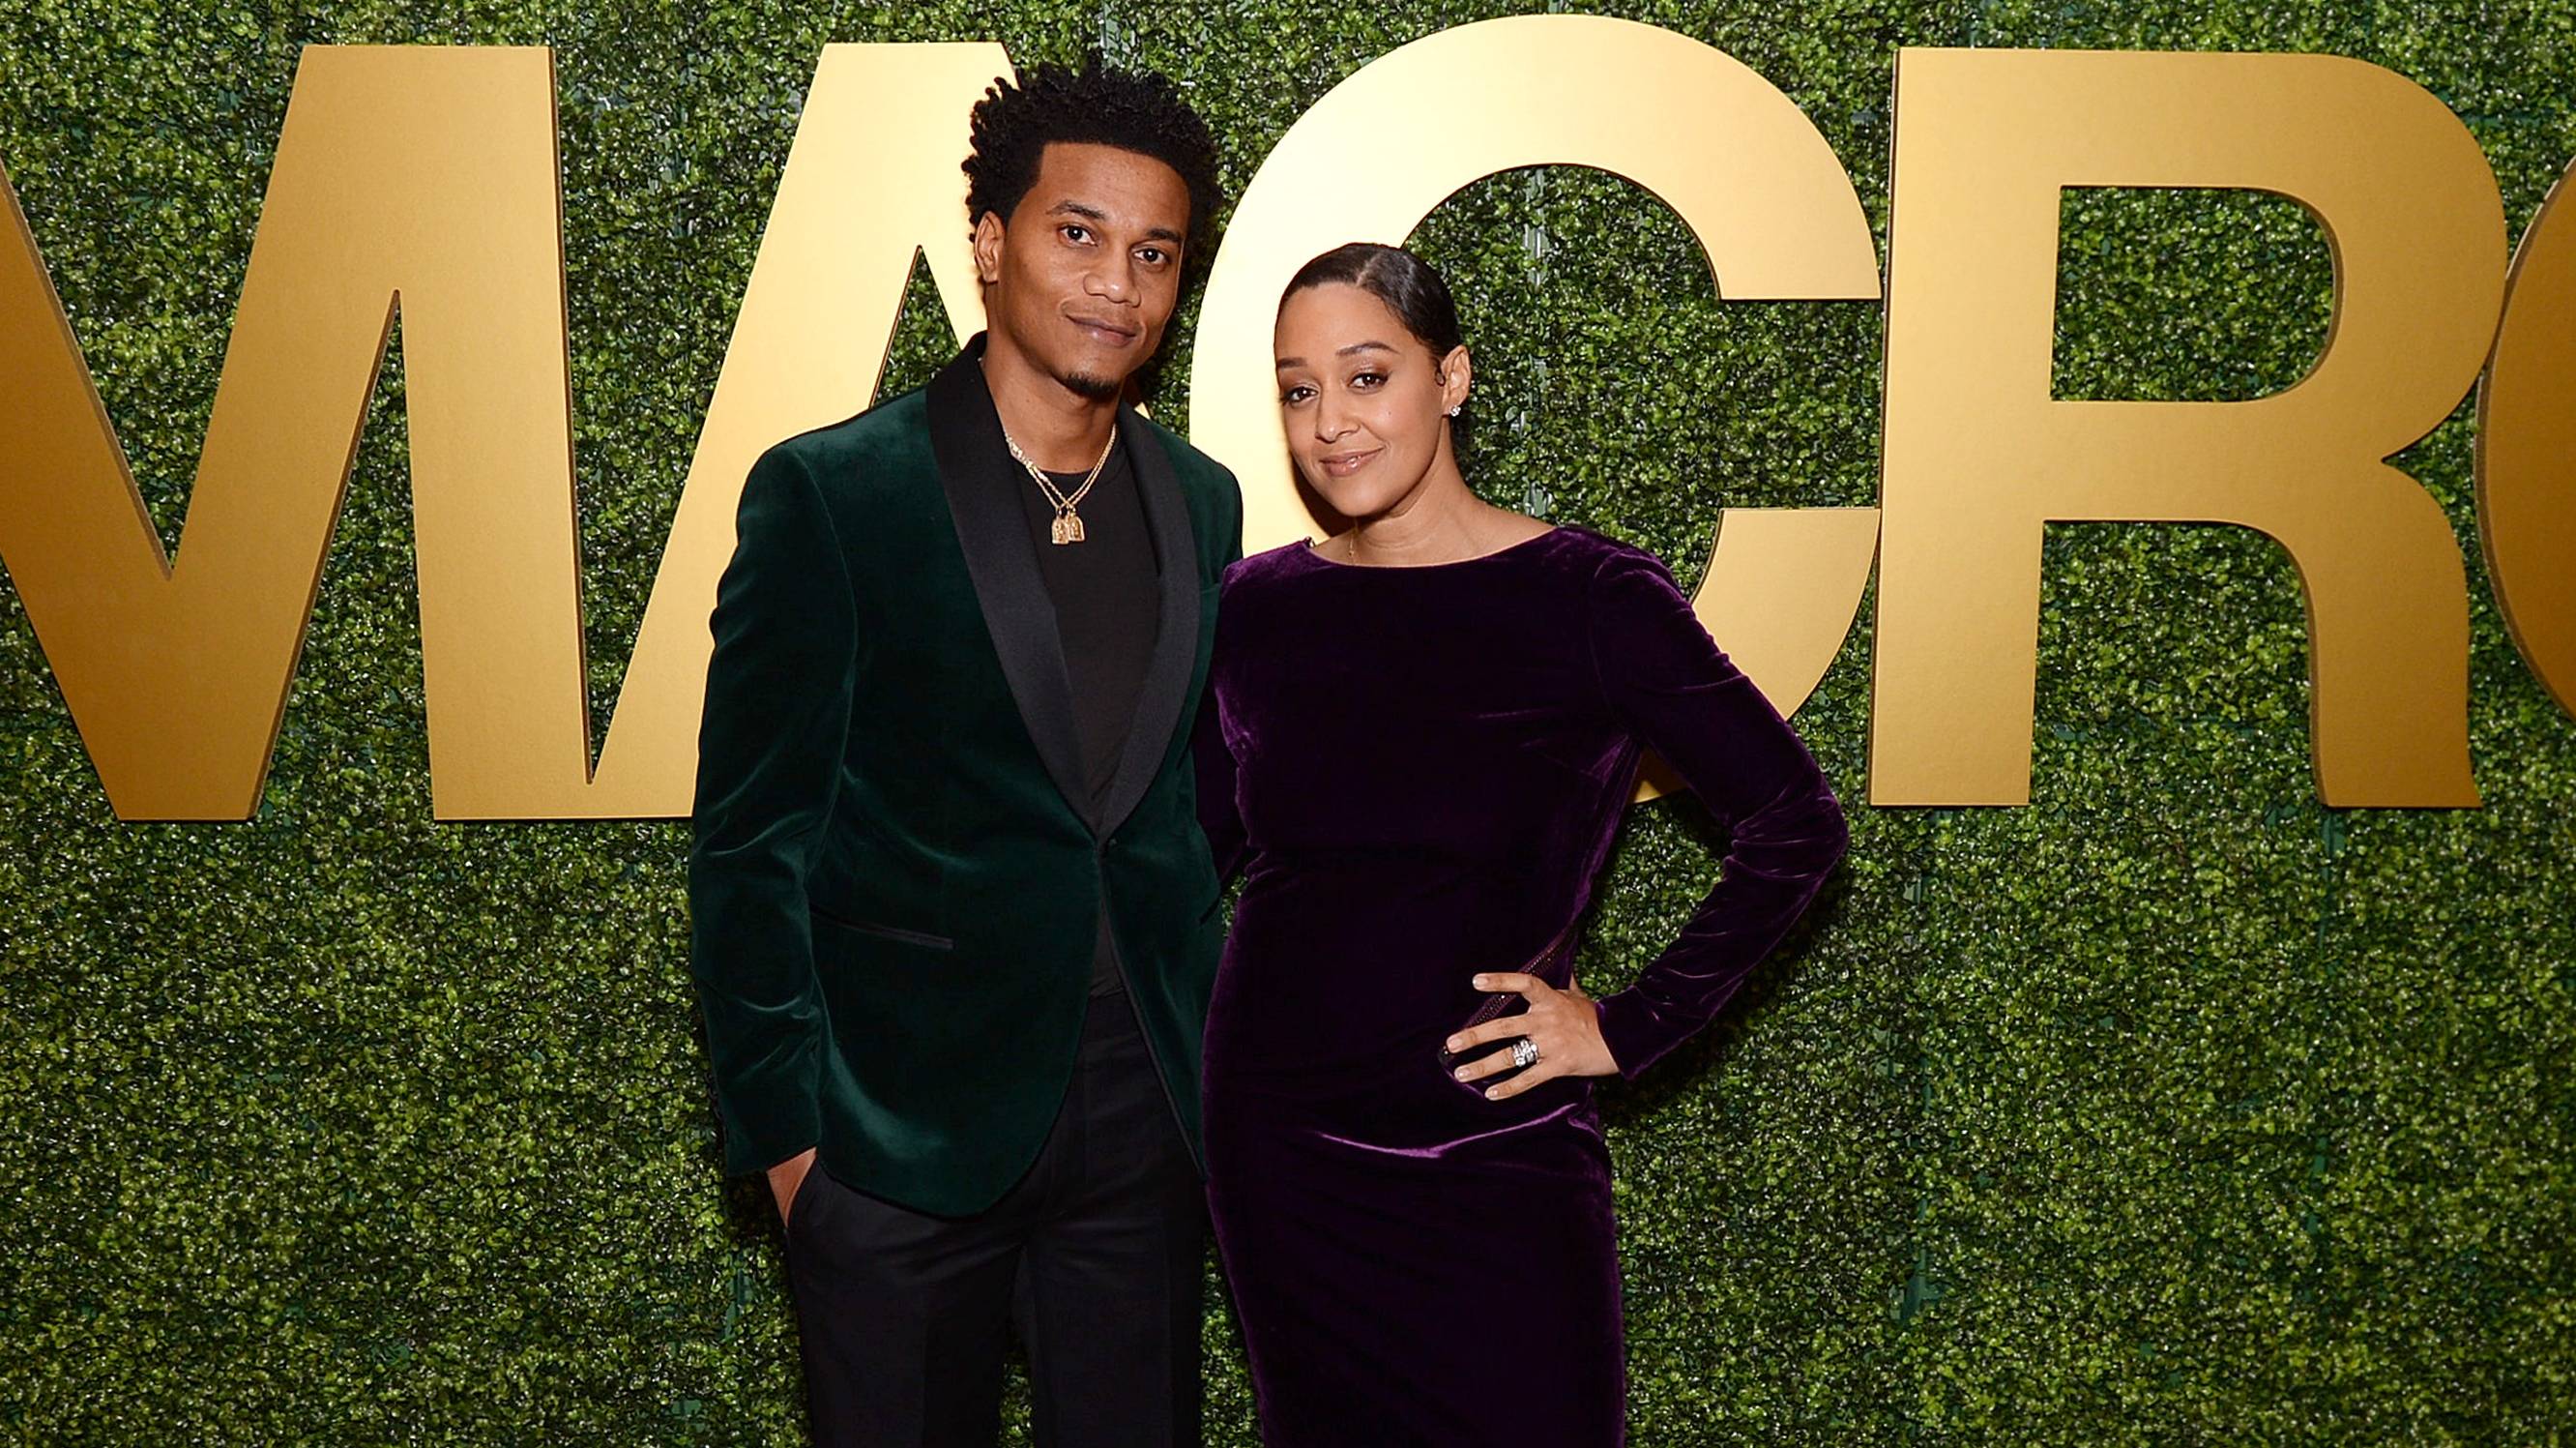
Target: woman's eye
1295, 395
1368, 379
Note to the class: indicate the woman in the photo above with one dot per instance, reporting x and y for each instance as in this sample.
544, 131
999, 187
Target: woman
1420, 736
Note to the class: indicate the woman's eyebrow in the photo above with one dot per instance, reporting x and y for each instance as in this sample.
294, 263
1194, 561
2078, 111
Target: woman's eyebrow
1285, 362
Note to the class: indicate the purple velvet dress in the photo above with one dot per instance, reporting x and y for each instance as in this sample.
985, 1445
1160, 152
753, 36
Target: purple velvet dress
1420, 771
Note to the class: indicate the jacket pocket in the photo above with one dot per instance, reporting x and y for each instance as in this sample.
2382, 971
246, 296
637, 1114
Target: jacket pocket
801, 1204
922, 938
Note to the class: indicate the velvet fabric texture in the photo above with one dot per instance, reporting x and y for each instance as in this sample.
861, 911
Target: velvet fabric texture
899, 874
1420, 771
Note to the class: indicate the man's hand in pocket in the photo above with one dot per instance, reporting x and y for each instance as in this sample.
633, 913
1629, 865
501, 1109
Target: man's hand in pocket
786, 1177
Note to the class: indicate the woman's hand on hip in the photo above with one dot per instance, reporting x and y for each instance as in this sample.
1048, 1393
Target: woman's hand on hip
1560, 1023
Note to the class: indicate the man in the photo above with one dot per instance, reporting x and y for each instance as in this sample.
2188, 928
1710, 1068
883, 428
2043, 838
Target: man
954, 920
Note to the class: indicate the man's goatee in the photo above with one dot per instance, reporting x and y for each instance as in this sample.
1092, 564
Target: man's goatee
1098, 389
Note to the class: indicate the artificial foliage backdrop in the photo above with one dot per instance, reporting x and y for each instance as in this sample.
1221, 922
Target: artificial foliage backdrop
2173, 1107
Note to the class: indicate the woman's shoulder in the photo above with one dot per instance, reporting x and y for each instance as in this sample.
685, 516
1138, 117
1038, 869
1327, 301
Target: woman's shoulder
1255, 570
1583, 547
1604, 559
1597, 562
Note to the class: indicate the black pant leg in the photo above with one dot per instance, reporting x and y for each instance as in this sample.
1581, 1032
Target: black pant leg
903, 1318
1110, 1285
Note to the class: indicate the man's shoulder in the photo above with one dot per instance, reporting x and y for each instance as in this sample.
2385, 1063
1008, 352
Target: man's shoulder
891, 435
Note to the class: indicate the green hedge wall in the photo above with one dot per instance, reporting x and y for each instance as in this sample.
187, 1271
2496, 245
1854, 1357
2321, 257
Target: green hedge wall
2174, 1107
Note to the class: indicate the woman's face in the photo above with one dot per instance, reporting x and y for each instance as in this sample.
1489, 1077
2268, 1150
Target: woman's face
1364, 401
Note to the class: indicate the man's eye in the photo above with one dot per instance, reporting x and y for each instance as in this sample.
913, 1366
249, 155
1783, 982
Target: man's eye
1150, 255
1076, 234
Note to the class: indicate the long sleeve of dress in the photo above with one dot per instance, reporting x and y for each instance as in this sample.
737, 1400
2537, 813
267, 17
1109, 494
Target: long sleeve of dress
1663, 675
1219, 817
777, 714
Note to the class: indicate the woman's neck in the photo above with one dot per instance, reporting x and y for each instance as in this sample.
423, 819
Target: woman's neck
1440, 522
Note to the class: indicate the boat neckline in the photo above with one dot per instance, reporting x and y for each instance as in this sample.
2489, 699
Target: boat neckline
1311, 551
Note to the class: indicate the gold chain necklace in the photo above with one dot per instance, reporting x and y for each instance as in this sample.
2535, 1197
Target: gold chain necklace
1067, 527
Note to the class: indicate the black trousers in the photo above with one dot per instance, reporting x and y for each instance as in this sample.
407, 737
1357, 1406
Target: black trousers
1096, 1259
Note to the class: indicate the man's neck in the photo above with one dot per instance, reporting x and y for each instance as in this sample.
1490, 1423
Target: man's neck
1060, 429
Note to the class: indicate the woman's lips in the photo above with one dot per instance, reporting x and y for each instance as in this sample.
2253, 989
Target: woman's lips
1343, 464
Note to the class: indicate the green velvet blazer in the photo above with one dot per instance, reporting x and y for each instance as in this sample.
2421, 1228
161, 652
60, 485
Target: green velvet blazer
895, 889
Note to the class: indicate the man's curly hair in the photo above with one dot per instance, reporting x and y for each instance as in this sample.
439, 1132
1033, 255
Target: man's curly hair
1132, 110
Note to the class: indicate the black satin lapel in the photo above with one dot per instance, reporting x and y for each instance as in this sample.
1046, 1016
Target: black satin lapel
1176, 640
965, 436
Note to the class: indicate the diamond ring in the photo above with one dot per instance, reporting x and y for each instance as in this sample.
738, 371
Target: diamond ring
1524, 1053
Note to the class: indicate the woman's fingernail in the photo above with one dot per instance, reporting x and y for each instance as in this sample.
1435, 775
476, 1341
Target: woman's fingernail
1453, 1043
1493, 1093
1479, 982
1460, 1073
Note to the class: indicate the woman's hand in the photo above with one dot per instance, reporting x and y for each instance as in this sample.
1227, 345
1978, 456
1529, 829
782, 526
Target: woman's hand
1561, 1023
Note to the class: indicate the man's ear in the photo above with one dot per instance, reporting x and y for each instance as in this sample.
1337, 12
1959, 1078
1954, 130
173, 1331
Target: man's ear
988, 247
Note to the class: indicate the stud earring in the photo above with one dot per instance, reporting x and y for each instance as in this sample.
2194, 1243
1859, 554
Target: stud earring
1453, 410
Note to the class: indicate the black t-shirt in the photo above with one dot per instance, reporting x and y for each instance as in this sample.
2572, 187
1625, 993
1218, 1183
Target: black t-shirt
1108, 608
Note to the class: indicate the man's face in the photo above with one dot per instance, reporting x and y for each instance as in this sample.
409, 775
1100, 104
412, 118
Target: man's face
1084, 276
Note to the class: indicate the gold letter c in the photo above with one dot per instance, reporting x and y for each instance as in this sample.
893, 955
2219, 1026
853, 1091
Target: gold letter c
1742, 166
